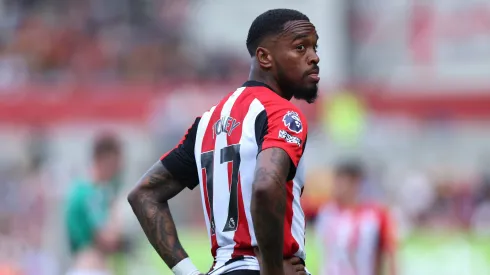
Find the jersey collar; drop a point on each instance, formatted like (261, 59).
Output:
(253, 83)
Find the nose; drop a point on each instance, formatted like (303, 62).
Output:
(314, 59)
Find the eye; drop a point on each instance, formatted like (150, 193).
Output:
(316, 48)
(300, 48)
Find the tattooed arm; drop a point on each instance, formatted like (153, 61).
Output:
(149, 203)
(268, 207)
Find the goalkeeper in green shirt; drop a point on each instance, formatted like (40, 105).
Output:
(92, 226)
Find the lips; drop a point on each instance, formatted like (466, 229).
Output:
(313, 74)
(314, 77)
(314, 71)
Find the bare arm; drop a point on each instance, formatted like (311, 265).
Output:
(388, 244)
(108, 239)
(390, 260)
(106, 225)
(268, 207)
(149, 203)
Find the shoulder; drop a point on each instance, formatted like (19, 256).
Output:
(76, 194)
(280, 110)
(325, 216)
(78, 185)
(380, 210)
(327, 209)
(81, 188)
(375, 206)
(273, 102)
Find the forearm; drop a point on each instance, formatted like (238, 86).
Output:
(268, 208)
(149, 203)
(108, 240)
(157, 223)
(391, 262)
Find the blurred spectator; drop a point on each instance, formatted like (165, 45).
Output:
(414, 182)
(480, 220)
(357, 237)
(101, 41)
(94, 229)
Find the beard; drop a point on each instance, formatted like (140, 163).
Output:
(308, 94)
(300, 91)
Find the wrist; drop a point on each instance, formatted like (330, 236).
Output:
(273, 270)
(185, 267)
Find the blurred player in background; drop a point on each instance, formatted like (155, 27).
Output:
(91, 222)
(245, 153)
(357, 237)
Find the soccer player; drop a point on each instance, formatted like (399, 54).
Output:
(357, 237)
(92, 228)
(246, 155)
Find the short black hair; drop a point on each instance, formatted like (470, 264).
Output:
(351, 168)
(268, 23)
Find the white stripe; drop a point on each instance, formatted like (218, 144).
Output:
(369, 234)
(201, 130)
(248, 154)
(221, 192)
(298, 224)
(249, 263)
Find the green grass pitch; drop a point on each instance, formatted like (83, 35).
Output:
(419, 254)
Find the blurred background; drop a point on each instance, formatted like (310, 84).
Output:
(405, 87)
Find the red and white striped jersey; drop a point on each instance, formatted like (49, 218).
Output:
(354, 239)
(219, 152)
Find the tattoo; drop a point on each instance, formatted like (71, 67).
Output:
(278, 157)
(149, 203)
(269, 206)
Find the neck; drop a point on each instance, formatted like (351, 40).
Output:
(98, 175)
(265, 77)
(347, 203)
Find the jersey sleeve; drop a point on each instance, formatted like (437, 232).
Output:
(285, 128)
(180, 161)
(388, 239)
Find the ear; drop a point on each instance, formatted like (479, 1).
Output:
(264, 57)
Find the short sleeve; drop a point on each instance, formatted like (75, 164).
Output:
(283, 128)
(180, 161)
(388, 239)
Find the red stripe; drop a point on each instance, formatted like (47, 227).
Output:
(275, 108)
(230, 172)
(291, 246)
(166, 154)
(354, 238)
(208, 144)
(242, 238)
